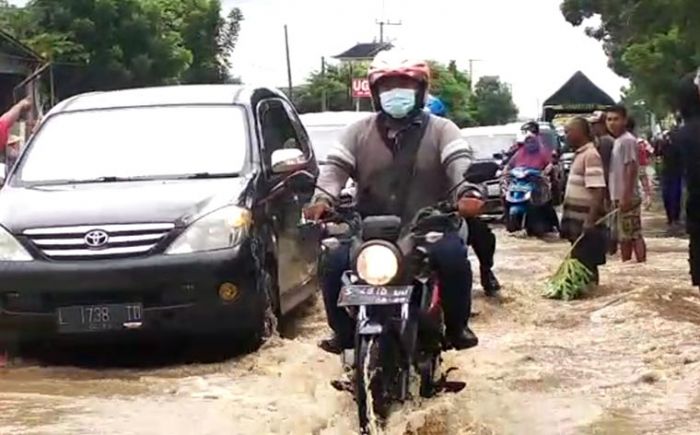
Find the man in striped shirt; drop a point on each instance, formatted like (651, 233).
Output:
(583, 203)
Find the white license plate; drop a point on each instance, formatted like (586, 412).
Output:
(494, 190)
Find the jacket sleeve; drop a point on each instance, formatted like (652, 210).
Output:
(456, 155)
(340, 164)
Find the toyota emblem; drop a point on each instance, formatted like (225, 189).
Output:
(96, 239)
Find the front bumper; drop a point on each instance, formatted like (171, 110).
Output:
(494, 203)
(178, 293)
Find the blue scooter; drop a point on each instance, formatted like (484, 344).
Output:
(521, 197)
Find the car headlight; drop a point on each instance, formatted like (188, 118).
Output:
(11, 249)
(377, 264)
(221, 229)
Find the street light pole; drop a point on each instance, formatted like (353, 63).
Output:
(323, 90)
(471, 72)
(383, 23)
(289, 64)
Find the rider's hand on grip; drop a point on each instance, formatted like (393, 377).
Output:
(315, 211)
(470, 207)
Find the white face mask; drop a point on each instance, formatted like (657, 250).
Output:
(398, 102)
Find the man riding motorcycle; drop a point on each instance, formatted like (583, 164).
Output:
(402, 159)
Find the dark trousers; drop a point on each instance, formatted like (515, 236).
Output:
(591, 250)
(694, 256)
(672, 191)
(483, 241)
(448, 256)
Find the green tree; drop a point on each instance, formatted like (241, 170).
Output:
(651, 42)
(448, 84)
(208, 36)
(453, 88)
(493, 102)
(336, 84)
(113, 44)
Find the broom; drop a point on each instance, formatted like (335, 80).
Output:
(572, 276)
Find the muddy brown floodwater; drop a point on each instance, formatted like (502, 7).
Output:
(624, 360)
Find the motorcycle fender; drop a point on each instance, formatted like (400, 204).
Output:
(516, 209)
(370, 328)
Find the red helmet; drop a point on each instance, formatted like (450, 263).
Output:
(394, 64)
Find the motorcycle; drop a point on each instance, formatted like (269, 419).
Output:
(525, 198)
(395, 298)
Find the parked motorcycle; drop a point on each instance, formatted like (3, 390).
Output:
(394, 296)
(526, 196)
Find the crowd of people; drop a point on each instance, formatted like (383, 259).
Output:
(608, 186)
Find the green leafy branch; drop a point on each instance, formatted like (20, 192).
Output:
(572, 276)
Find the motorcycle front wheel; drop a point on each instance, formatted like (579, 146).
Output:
(514, 222)
(370, 392)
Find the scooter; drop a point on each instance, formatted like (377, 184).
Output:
(523, 201)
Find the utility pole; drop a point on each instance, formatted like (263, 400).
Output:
(471, 71)
(289, 64)
(324, 103)
(383, 23)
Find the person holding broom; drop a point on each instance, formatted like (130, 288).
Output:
(584, 199)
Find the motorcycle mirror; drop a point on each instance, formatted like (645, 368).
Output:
(299, 182)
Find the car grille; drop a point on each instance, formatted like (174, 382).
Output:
(71, 243)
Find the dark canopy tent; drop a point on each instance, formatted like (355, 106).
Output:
(578, 95)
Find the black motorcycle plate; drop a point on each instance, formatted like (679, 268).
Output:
(356, 295)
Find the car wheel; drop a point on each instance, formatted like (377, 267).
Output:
(265, 323)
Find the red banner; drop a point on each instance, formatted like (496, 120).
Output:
(360, 88)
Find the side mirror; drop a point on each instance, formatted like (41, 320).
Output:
(498, 156)
(287, 160)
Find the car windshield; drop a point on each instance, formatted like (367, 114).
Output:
(550, 138)
(322, 138)
(485, 146)
(137, 143)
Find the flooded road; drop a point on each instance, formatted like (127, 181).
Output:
(624, 360)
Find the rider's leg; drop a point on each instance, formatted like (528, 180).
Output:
(483, 241)
(449, 255)
(333, 263)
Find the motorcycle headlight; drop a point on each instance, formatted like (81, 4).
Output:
(11, 249)
(377, 264)
(221, 229)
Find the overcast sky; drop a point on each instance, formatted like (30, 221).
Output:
(527, 43)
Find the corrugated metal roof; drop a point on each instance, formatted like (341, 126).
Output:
(365, 50)
(13, 47)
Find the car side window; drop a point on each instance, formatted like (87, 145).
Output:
(278, 130)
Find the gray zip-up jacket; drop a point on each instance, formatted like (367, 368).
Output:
(442, 158)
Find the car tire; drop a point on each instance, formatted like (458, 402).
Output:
(264, 323)
(268, 310)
